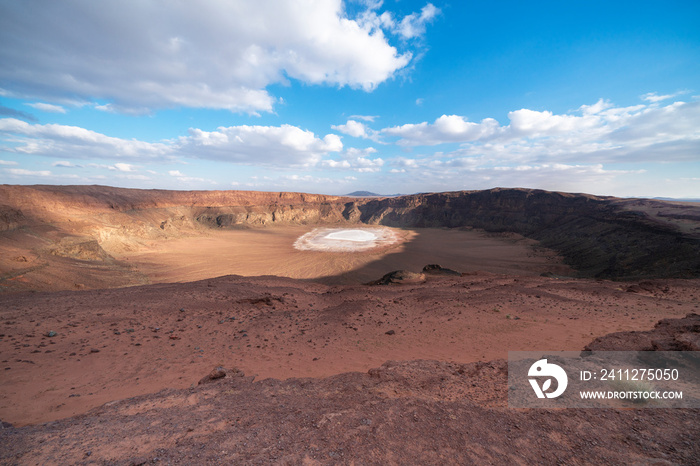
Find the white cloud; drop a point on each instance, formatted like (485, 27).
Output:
(23, 172)
(369, 165)
(335, 163)
(357, 129)
(369, 118)
(356, 159)
(653, 97)
(409, 27)
(601, 133)
(597, 107)
(207, 54)
(447, 128)
(73, 142)
(284, 145)
(532, 124)
(50, 108)
(187, 179)
(353, 152)
(122, 167)
(8, 162)
(413, 25)
(352, 128)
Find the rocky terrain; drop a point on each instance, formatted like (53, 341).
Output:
(413, 412)
(49, 233)
(105, 361)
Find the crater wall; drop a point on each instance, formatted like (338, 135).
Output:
(602, 237)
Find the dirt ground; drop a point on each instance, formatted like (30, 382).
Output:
(270, 251)
(117, 343)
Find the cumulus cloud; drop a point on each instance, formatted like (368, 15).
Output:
(414, 24)
(357, 129)
(284, 145)
(336, 163)
(8, 162)
(600, 132)
(359, 160)
(352, 128)
(409, 27)
(73, 142)
(122, 167)
(206, 54)
(24, 172)
(447, 128)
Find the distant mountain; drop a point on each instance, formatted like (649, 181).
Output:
(362, 194)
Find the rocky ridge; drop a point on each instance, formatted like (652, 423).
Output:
(599, 237)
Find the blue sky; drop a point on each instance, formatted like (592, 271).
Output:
(331, 97)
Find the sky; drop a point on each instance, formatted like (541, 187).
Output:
(331, 96)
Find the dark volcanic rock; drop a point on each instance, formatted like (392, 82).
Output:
(435, 269)
(399, 277)
(667, 335)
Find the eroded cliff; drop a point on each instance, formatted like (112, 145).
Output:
(601, 237)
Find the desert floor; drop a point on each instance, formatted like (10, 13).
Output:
(270, 251)
(118, 343)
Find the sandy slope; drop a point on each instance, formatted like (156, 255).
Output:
(113, 344)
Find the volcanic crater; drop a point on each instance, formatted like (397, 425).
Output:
(115, 303)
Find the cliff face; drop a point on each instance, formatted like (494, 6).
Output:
(599, 236)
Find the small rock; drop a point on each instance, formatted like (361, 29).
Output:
(390, 332)
(218, 373)
(435, 269)
(400, 277)
(51, 334)
(94, 350)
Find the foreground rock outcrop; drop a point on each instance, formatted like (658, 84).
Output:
(412, 412)
(667, 335)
